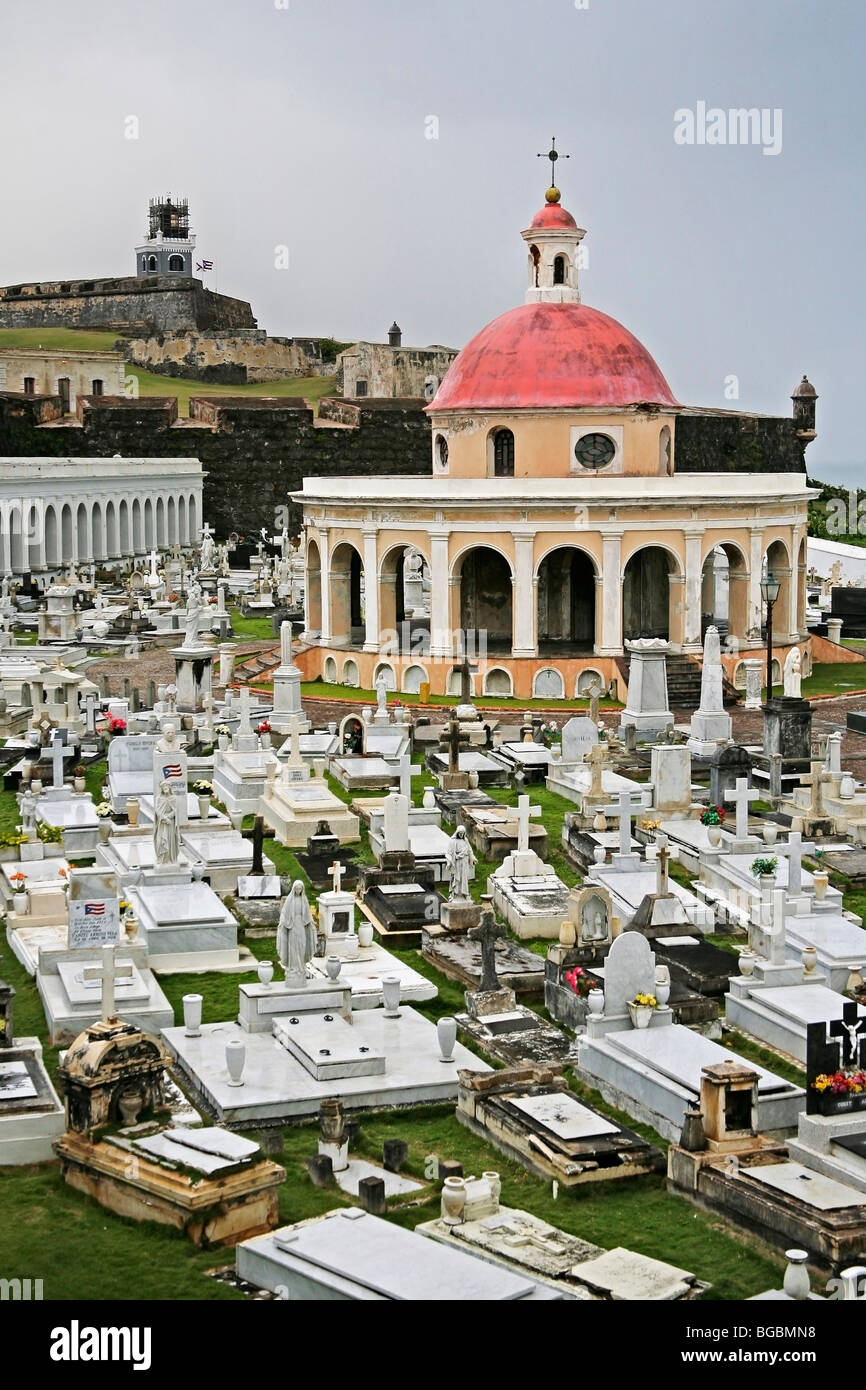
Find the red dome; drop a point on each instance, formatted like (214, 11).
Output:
(564, 355)
(554, 215)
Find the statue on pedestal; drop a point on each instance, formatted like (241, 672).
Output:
(461, 861)
(296, 934)
(166, 837)
(195, 615)
(793, 674)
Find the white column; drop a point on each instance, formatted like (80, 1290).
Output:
(692, 603)
(523, 603)
(440, 591)
(756, 560)
(794, 585)
(6, 538)
(611, 595)
(371, 590)
(325, 560)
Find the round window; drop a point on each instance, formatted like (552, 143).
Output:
(594, 450)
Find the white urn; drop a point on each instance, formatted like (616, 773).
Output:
(446, 1032)
(236, 1056)
(265, 972)
(192, 1014)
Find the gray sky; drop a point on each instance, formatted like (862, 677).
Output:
(305, 127)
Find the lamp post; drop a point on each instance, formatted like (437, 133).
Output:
(769, 593)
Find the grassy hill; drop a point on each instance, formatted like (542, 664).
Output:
(313, 388)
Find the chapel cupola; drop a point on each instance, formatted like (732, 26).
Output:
(168, 243)
(553, 242)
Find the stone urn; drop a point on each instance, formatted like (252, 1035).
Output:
(129, 1106)
(847, 787)
(428, 800)
(567, 933)
(192, 1014)
(333, 966)
(223, 743)
(640, 1014)
(350, 946)
(809, 957)
(365, 935)
(79, 784)
(796, 1283)
(391, 995)
(453, 1200)
(747, 962)
(236, 1056)
(204, 806)
(662, 989)
(473, 781)
(265, 740)
(332, 1121)
(595, 1002)
(22, 902)
(265, 971)
(770, 832)
(820, 882)
(36, 786)
(599, 854)
(104, 830)
(714, 835)
(446, 1032)
(132, 809)
(130, 924)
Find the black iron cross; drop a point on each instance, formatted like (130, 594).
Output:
(553, 155)
(488, 932)
(258, 866)
(838, 1046)
(455, 741)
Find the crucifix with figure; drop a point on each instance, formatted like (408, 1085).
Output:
(109, 972)
(663, 857)
(488, 932)
(850, 1029)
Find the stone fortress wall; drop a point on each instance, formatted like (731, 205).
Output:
(144, 304)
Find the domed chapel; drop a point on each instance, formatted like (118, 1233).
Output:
(573, 504)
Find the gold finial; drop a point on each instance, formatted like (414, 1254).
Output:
(553, 194)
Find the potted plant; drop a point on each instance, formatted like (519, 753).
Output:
(116, 726)
(649, 825)
(840, 1091)
(19, 887)
(641, 1009)
(50, 835)
(263, 730)
(764, 868)
(713, 817)
(78, 773)
(204, 792)
(9, 844)
(104, 813)
(820, 878)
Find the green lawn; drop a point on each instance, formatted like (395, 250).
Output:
(256, 629)
(312, 388)
(59, 339)
(322, 691)
(840, 677)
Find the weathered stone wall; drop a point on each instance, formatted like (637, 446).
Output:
(391, 371)
(215, 356)
(726, 442)
(144, 305)
(254, 452)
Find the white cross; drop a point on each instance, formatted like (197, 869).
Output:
(57, 759)
(295, 740)
(245, 727)
(337, 871)
(770, 918)
(108, 972)
(794, 849)
(742, 795)
(816, 779)
(407, 770)
(524, 811)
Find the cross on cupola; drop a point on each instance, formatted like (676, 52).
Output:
(553, 239)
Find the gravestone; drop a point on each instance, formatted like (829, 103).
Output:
(671, 776)
(728, 764)
(629, 970)
(710, 723)
(579, 735)
(647, 707)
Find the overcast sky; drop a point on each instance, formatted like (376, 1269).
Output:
(306, 127)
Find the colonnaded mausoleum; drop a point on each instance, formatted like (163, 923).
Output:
(573, 505)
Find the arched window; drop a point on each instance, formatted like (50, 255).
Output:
(151, 264)
(559, 270)
(503, 454)
(175, 263)
(97, 386)
(535, 259)
(442, 451)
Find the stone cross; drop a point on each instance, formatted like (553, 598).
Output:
(524, 811)
(467, 670)
(337, 870)
(816, 780)
(455, 742)
(776, 927)
(258, 864)
(108, 972)
(408, 770)
(57, 760)
(245, 727)
(597, 759)
(595, 692)
(488, 932)
(794, 849)
(294, 728)
(90, 703)
(741, 795)
(662, 858)
(625, 822)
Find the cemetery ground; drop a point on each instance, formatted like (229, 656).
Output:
(100, 1256)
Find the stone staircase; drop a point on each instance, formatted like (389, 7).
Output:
(684, 682)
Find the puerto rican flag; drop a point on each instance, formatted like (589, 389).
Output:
(94, 909)
(170, 770)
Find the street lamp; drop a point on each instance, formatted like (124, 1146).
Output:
(769, 593)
